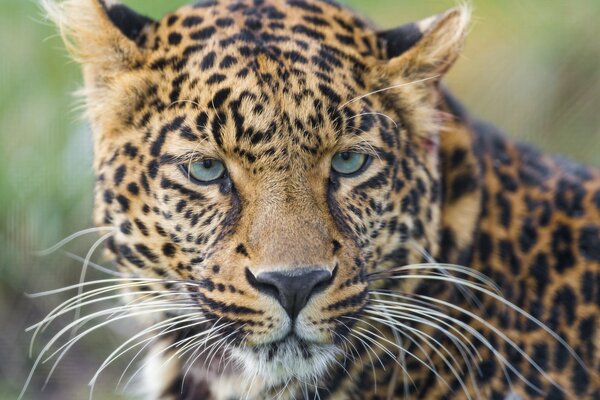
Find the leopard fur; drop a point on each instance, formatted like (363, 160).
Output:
(275, 88)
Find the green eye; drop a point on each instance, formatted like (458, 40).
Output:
(348, 163)
(205, 171)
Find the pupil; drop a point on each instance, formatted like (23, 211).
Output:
(345, 156)
(207, 164)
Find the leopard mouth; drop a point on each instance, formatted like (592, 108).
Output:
(287, 359)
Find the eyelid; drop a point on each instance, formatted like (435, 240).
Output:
(190, 157)
(362, 148)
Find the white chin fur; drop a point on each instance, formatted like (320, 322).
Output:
(286, 363)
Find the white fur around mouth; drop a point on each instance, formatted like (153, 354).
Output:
(285, 361)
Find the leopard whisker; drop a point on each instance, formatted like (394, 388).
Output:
(427, 339)
(482, 278)
(369, 348)
(84, 268)
(397, 86)
(162, 351)
(70, 238)
(146, 345)
(414, 311)
(96, 266)
(487, 344)
(503, 301)
(165, 325)
(468, 295)
(402, 349)
(197, 346)
(440, 318)
(67, 346)
(215, 351)
(57, 336)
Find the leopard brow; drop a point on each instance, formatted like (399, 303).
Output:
(192, 156)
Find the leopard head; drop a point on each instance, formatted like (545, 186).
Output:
(262, 159)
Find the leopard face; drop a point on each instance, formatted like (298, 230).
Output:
(243, 159)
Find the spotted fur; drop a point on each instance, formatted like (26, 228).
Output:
(275, 88)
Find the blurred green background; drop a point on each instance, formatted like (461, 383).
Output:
(531, 67)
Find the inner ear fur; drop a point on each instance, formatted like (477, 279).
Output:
(99, 34)
(425, 49)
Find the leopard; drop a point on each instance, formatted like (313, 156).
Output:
(300, 208)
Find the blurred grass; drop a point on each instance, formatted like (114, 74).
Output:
(532, 68)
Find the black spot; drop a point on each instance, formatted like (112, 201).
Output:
(308, 32)
(508, 255)
(175, 38)
(191, 21)
(528, 235)
(124, 202)
(227, 61)
(215, 78)
(562, 247)
(486, 247)
(462, 185)
(589, 242)
(345, 39)
(241, 249)
(168, 249)
(315, 20)
(171, 20)
(561, 356)
(126, 252)
(487, 370)
(580, 380)
(253, 24)
(216, 269)
(566, 299)
(305, 6)
(160, 140)
(130, 150)
(126, 227)
(119, 175)
(146, 252)
(224, 22)
(220, 97)
(204, 34)
(133, 188)
(208, 61)
(186, 133)
(587, 286)
(587, 329)
(540, 355)
(569, 198)
(330, 94)
(541, 272)
(505, 209)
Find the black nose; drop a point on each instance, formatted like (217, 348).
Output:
(292, 288)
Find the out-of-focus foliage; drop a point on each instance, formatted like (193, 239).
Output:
(531, 67)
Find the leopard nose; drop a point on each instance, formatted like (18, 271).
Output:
(292, 288)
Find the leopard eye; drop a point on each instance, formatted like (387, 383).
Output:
(349, 163)
(204, 171)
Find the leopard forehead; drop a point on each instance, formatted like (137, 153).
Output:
(255, 82)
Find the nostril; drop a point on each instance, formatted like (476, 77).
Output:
(261, 286)
(292, 288)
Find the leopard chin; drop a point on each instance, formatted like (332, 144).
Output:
(287, 361)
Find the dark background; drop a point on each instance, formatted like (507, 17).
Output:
(531, 67)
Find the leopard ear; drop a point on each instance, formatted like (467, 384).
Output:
(105, 36)
(425, 49)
